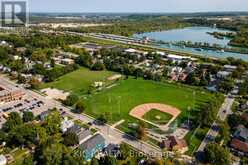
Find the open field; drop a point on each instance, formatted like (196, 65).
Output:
(79, 81)
(157, 117)
(119, 100)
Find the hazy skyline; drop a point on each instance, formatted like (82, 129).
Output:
(166, 6)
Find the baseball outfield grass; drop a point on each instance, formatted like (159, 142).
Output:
(118, 101)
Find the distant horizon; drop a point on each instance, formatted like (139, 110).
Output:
(137, 6)
(146, 12)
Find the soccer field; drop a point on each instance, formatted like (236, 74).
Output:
(79, 81)
(119, 100)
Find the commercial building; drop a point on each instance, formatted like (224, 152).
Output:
(9, 93)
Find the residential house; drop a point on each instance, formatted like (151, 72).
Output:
(92, 145)
(17, 57)
(43, 115)
(112, 150)
(230, 68)
(223, 74)
(21, 50)
(67, 55)
(66, 124)
(82, 134)
(67, 61)
(4, 43)
(172, 143)
(239, 143)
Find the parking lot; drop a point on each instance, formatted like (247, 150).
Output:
(31, 101)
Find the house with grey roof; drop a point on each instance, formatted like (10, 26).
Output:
(82, 134)
(242, 134)
(92, 145)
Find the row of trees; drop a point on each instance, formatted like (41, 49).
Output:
(132, 26)
(51, 147)
(209, 110)
(40, 40)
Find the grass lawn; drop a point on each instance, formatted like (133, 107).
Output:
(127, 94)
(194, 139)
(78, 81)
(157, 117)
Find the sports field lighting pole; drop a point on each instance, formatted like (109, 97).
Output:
(189, 108)
(109, 99)
(119, 104)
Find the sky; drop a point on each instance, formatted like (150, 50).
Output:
(166, 6)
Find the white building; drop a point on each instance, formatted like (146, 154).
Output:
(177, 58)
(66, 124)
(3, 160)
(230, 68)
(130, 50)
(67, 61)
(162, 54)
(223, 74)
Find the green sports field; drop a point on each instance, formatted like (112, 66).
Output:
(118, 101)
(157, 117)
(79, 81)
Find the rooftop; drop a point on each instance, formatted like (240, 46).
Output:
(92, 143)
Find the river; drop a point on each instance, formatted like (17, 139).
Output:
(193, 34)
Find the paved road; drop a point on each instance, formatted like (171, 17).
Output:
(111, 134)
(225, 110)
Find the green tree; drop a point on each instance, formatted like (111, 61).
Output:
(243, 89)
(226, 85)
(103, 119)
(53, 122)
(108, 160)
(39, 55)
(94, 161)
(68, 159)
(71, 100)
(3, 136)
(70, 139)
(225, 131)
(34, 83)
(27, 117)
(21, 79)
(217, 155)
(125, 151)
(13, 120)
(80, 107)
(52, 154)
(208, 114)
(191, 79)
(84, 59)
(24, 134)
(98, 66)
(28, 161)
